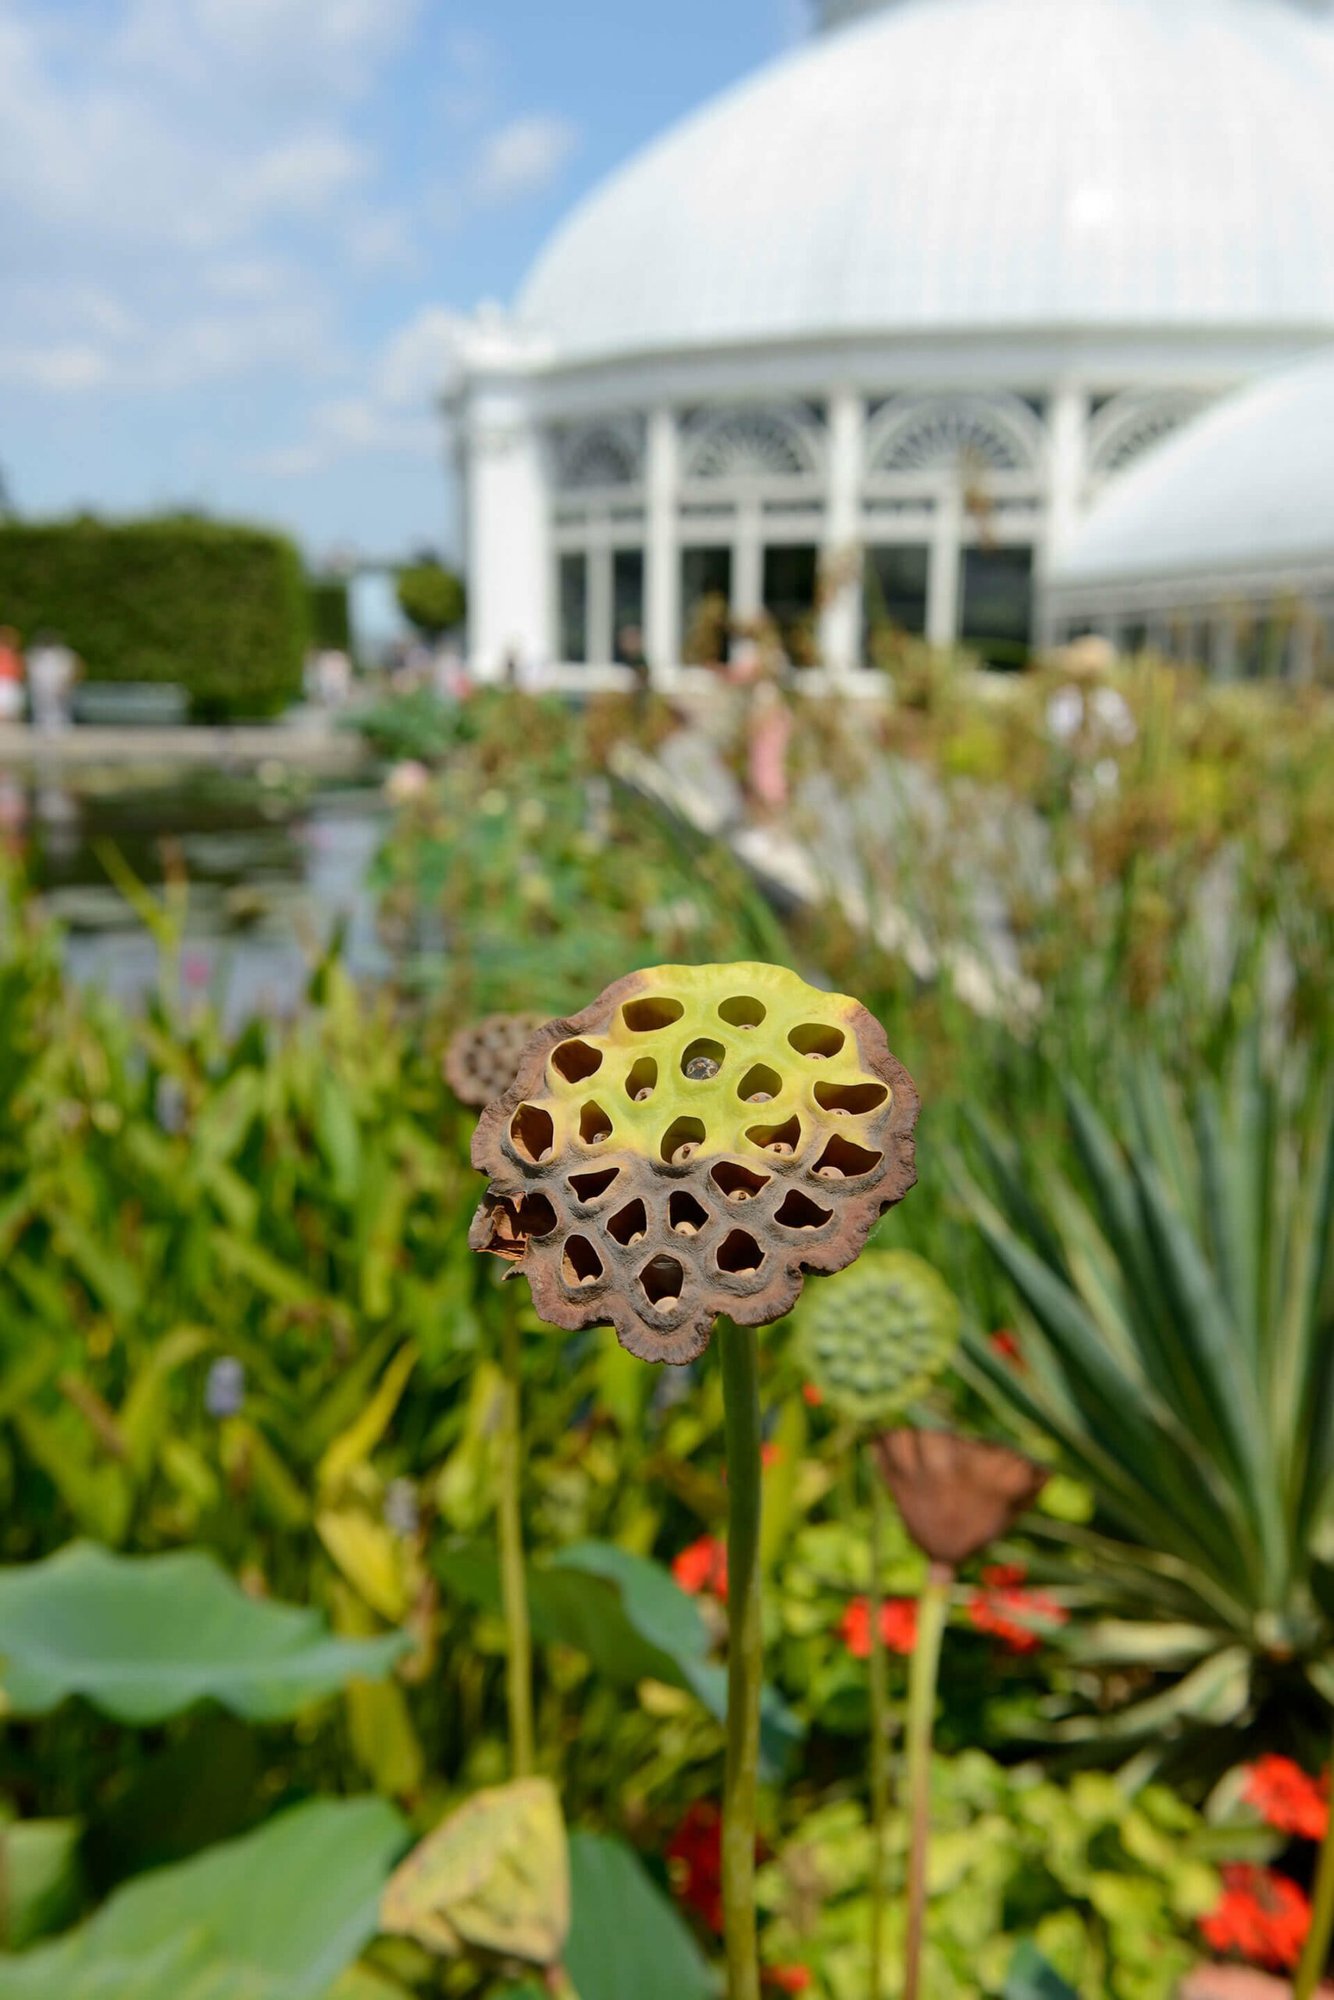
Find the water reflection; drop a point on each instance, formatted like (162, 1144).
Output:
(275, 865)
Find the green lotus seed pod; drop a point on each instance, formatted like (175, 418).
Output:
(874, 1337)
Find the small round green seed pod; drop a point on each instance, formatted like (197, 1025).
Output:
(874, 1337)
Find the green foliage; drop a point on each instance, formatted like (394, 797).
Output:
(431, 598)
(1178, 1314)
(220, 609)
(625, 1937)
(145, 1637)
(330, 619)
(1104, 1886)
(278, 1915)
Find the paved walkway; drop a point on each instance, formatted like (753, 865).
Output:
(312, 742)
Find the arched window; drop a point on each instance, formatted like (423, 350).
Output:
(1129, 424)
(766, 442)
(948, 433)
(599, 455)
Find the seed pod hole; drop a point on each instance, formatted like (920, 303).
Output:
(629, 1224)
(798, 1211)
(780, 1140)
(686, 1215)
(760, 1085)
(663, 1280)
(533, 1133)
(594, 1124)
(739, 1253)
(534, 1216)
(702, 1061)
(580, 1264)
(842, 1161)
(851, 1100)
(738, 1183)
(642, 1080)
(682, 1140)
(817, 1040)
(576, 1061)
(590, 1187)
(645, 1017)
(742, 1011)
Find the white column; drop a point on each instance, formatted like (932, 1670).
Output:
(662, 551)
(944, 573)
(601, 614)
(1067, 482)
(509, 539)
(841, 614)
(748, 561)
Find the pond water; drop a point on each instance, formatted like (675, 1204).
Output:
(275, 865)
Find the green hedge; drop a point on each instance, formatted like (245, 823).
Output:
(222, 610)
(330, 617)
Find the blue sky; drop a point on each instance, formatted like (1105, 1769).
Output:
(234, 233)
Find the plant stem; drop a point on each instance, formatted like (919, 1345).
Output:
(879, 1739)
(1321, 1934)
(932, 1611)
(745, 1663)
(513, 1582)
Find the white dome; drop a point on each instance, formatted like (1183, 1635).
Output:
(970, 165)
(1250, 485)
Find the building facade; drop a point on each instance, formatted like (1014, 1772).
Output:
(862, 342)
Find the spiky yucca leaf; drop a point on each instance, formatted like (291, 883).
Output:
(1177, 1314)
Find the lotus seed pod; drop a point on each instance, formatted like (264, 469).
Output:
(690, 1145)
(874, 1338)
(482, 1058)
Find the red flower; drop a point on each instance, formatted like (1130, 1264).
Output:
(771, 1454)
(1006, 1344)
(695, 1859)
(703, 1567)
(1287, 1798)
(898, 1626)
(811, 1396)
(789, 1978)
(1261, 1916)
(1008, 1612)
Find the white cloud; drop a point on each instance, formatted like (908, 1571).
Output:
(523, 157)
(416, 363)
(397, 415)
(70, 367)
(298, 49)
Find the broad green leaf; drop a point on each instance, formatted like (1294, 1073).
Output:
(632, 1619)
(625, 1937)
(146, 1637)
(493, 1878)
(1031, 1978)
(39, 1867)
(276, 1915)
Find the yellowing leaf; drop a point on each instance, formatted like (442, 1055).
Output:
(360, 1438)
(369, 1558)
(494, 1877)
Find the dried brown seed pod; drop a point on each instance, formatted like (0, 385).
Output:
(690, 1145)
(482, 1058)
(956, 1494)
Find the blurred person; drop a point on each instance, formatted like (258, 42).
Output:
(11, 675)
(53, 668)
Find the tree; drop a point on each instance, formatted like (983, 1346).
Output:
(430, 597)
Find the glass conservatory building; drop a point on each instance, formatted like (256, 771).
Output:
(865, 338)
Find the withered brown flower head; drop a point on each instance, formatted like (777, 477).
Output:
(956, 1494)
(690, 1145)
(482, 1057)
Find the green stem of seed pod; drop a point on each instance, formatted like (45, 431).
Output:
(879, 1738)
(1321, 1934)
(745, 1654)
(513, 1581)
(932, 1611)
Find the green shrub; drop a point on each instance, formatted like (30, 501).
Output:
(330, 619)
(431, 598)
(219, 609)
